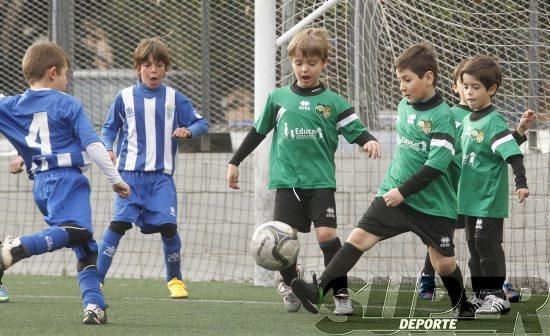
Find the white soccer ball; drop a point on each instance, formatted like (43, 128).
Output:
(275, 245)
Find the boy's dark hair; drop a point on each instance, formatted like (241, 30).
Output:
(154, 47)
(311, 42)
(458, 68)
(419, 58)
(485, 69)
(40, 57)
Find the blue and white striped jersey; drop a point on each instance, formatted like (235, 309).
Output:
(48, 128)
(144, 120)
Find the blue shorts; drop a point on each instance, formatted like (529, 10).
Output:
(153, 200)
(63, 197)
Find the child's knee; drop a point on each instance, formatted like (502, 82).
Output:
(325, 234)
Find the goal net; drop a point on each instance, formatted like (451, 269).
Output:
(213, 55)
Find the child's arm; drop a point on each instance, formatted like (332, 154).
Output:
(250, 142)
(526, 122)
(16, 165)
(516, 161)
(190, 123)
(97, 153)
(112, 125)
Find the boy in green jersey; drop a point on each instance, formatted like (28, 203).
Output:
(417, 194)
(427, 275)
(306, 118)
(487, 148)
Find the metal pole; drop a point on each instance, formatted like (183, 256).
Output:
(535, 79)
(61, 30)
(265, 52)
(205, 68)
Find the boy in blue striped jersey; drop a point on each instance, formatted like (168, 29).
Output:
(56, 141)
(148, 118)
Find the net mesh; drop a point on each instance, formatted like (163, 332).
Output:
(212, 50)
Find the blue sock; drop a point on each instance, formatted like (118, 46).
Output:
(106, 252)
(47, 240)
(172, 258)
(88, 281)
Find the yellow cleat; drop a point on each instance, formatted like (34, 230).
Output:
(177, 289)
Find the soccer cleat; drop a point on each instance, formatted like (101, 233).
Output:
(11, 251)
(343, 305)
(427, 287)
(94, 315)
(309, 294)
(4, 297)
(493, 305)
(291, 302)
(465, 311)
(511, 293)
(177, 289)
(476, 302)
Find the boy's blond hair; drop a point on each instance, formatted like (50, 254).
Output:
(485, 69)
(154, 47)
(40, 57)
(456, 71)
(311, 42)
(419, 58)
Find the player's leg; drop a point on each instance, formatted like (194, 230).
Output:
(289, 208)
(160, 212)
(379, 222)
(427, 280)
(93, 301)
(108, 246)
(437, 232)
(476, 273)
(488, 242)
(125, 212)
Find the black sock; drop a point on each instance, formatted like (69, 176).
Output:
(330, 248)
(455, 286)
(476, 273)
(289, 274)
(428, 269)
(340, 265)
(493, 264)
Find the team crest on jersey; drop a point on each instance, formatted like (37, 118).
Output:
(129, 112)
(323, 110)
(425, 126)
(477, 135)
(170, 111)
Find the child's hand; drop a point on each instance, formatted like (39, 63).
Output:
(527, 119)
(122, 189)
(522, 193)
(181, 132)
(393, 198)
(373, 149)
(16, 165)
(112, 156)
(233, 176)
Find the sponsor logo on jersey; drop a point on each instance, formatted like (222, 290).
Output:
(129, 112)
(479, 224)
(418, 146)
(411, 119)
(170, 111)
(425, 126)
(305, 105)
(445, 241)
(300, 133)
(468, 158)
(323, 110)
(331, 213)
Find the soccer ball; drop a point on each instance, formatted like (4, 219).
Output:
(275, 245)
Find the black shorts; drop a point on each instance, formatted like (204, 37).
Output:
(460, 222)
(387, 222)
(484, 227)
(299, 207)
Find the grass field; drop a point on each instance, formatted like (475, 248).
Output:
(51, 306)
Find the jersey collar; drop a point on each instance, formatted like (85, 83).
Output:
(307, 91)
(476, 115)
(429, 104)
(465, 107)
